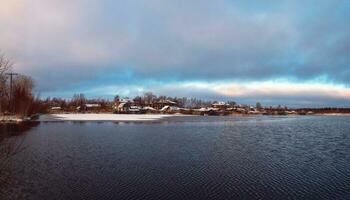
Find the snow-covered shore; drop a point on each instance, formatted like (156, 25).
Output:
(11, 119)
(102, 117)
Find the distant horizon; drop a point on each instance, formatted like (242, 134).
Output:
(292, 52)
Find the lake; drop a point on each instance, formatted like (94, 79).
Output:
(260, 157)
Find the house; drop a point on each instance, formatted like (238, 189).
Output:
(122, 107)
(170, 109)
(160, 104)
(241, 110)
(292, 112)
(149, 109)
(55, 109)
(254, 112)
(206, 111)
(135, 110)
(92, 105)
(220, 105)
(89, 108)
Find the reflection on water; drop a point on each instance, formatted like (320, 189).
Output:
(10, 144)
(185, 158)
(15, 129)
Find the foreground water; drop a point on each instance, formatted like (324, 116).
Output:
(182, 158)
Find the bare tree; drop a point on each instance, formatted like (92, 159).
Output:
(149, 97)
(5, 66)
(258, 106)
(22, 94)
(78, 100)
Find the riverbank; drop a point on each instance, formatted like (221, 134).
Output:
(115, 117)
(334, 114)
(11, 119)
(129, 117)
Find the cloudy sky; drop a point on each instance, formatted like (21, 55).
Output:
(276, 52)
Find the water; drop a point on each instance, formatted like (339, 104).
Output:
(263, 157)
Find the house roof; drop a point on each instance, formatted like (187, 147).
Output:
(165, 108)
(166, 102)
(121, 105)
(92, 105)
(148, 108)
(220, 104)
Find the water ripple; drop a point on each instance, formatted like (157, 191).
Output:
(193, 158)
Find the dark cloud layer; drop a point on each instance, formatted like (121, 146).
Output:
(73, 43)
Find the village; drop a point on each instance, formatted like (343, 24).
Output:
(168, 105)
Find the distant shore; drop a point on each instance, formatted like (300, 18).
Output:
(132, 117)
(97, 117)
(334, 114)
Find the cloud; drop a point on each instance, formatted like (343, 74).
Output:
(66, 45)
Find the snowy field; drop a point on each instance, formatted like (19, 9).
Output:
(102, 117)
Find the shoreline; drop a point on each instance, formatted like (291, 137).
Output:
(103, 117)
(141, 117)
(333, 114)
(12, 119)
(109, 117)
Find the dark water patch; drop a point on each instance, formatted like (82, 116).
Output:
(13, 129)
(186, 158)
(11, 143)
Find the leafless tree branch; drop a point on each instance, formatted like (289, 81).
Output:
(5, 64)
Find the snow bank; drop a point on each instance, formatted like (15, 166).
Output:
(102, 117)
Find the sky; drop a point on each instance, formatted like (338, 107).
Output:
(287, 52)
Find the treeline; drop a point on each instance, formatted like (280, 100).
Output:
(19, 98)
(74, 102)
(149, 98)
(145, 100)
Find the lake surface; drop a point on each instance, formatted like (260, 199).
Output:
(304, 157)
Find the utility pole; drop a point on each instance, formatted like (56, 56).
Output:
(11, 75)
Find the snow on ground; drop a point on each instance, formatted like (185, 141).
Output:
(102, 117)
